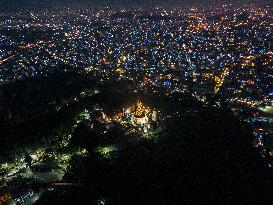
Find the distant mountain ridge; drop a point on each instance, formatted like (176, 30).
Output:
(43, 4)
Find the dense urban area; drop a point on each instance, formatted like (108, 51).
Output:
(108, 105)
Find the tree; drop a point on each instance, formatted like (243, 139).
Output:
(203, 159)
(28, 159)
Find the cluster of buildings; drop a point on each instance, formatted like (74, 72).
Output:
(226, 50)
(136, 118)
(157, 47)
(139, 117)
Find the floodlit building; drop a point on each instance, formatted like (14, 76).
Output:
(154, 116)
(140, 116)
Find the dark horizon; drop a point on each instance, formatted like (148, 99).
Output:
(45, 4)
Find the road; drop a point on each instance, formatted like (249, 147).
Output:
(29, 201)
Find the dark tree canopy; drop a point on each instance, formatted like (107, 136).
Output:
(205, 159)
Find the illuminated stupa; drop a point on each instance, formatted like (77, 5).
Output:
(140, 116)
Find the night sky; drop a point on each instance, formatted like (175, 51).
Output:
(14, 4)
